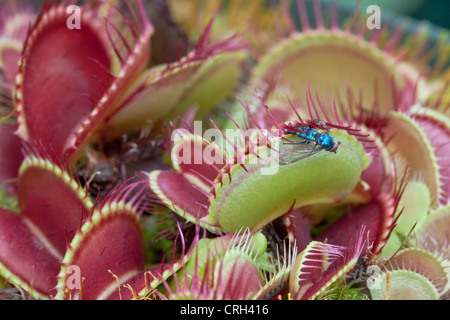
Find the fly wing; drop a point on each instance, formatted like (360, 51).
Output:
(292, 153)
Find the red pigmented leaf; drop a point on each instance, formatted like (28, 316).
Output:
(15, 19)
(63, 74)
(10, 156)
(378, 217)
(9, 56)
(133, 52)
(297, 227)
(143, 285)
(33, 243)
(175, 190)
(437, 129)
(239, 278)
(197, 163)
(199, 157)
(321, 264)
(75, 67)
(110, 248)
(423, 262)
(53, 203)
(26, 260)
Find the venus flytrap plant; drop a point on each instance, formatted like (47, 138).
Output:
(222, 195)
(230, 267)
(320, 265)
(340, 61)
(15, 19)
(111, 88)
(89, 89)
(411, 203)
(403, 285)
(276, 196)
(412, 273)
(103, 70)
(433, 235)
(106, 264)
(42, 228)
(407, 80)
(322, 51)
(377, 197)
(9, 166)
(413, 263)
(360, 102)
(233, 17)
(423, 262)
(58, 228)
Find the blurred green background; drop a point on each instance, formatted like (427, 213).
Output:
(436, 11)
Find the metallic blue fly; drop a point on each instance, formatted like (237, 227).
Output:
(320, 141)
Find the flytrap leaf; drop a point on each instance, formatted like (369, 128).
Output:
(379, 218)
(221, 195)
(152, 100)
(75, 66)
(234, 266)
(215, 268)
(14, 23)
(214, 82)
(106, 253)
(423, 262)
(202, 79)
(403, 285)
(26, 260)
(404, 132)
(52, 208)
(373, 69)
(436, 127)
(434, 232)
(10, 156)
(334, 61)
(320, 264)
(414, 206)
(52, 201)
(60, 61)
(260, 193)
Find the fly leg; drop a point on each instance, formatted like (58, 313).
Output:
(321, 124)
